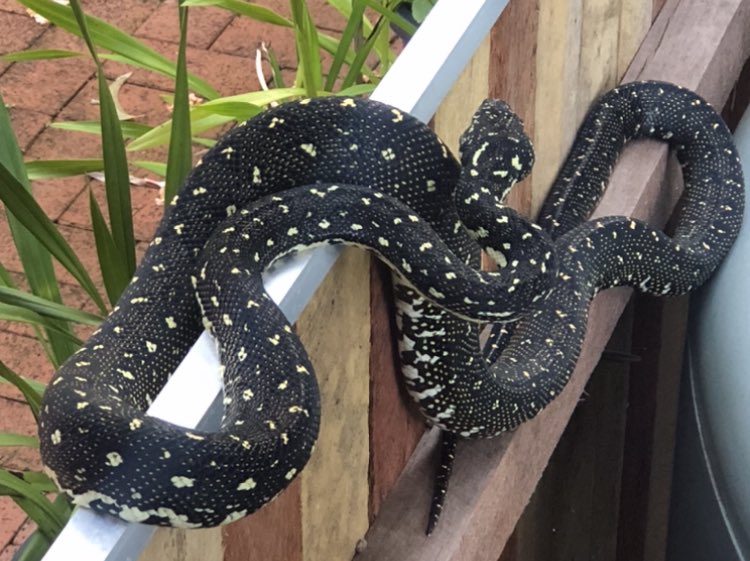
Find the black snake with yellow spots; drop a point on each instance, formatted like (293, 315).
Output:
(359, 172)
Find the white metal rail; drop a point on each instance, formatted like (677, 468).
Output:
(418, 81)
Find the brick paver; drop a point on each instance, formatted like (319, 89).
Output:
(221, 50)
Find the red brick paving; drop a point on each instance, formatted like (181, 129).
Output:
(221, 51)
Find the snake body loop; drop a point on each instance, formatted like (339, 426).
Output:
(358, 172)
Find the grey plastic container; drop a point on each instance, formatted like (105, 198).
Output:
(710, 516)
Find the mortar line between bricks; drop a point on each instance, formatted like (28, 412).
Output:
(223, 29)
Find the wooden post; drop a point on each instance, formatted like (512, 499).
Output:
(703, 47)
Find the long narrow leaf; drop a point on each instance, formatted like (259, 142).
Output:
(7, 282)
(34, 548)
(33, 384)
(179, 158)
(258, 13)
(356, 90)
(5, 278)
(47, 308)
(42, 54)
(306, 39)
(10, 439)
(117, 177)
(114, 272)
(129, 129)
(106, 36)
(36, 260)
(353, 25)
(17, 314)
(28, 212)
(43, 512)
(391, 15)
(278, 77)
(160, 135)
(159, 168)
(39, 481)
(51, 169)
(203, 118)
(355, 68)
(30, 394)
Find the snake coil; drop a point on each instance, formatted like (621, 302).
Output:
(338, 170)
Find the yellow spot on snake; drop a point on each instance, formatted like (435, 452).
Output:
(181, 481)
(127, 374)
(114, 459)
(247, 485)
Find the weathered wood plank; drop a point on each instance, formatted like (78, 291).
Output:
(169, 544)
(635, 21)
(274, 533)
(583, 475)
(703, 47)
(335, 330)
(459, 105)
(558, 56)
(599, 44)
(512, 76)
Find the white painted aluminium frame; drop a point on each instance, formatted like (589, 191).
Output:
(418, 81)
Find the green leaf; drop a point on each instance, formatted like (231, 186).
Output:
(46, 308)
(276, 75)
(10, 439)
(356, 90)
(36, 505)
(34, 548)
(203, 117)
(28, 212)
(17, 314)
(420, 9)
(308, 48)
(34, 384)
(51, 169)
(258, 13)
(114, 273)
(41, 54)
(117, 177)
(129, 128)
(180, 157)
(391, 15)
(235, 110)
(357, 65)
(160, 135)
(36, 260)
(159, 168)
(30, 394)
(105, 36)
(39, 481)
(353, 26)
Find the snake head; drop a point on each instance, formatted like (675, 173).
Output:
(495, 149)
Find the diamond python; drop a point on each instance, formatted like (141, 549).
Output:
(358, 172)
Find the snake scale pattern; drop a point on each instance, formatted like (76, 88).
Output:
(340, 170)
